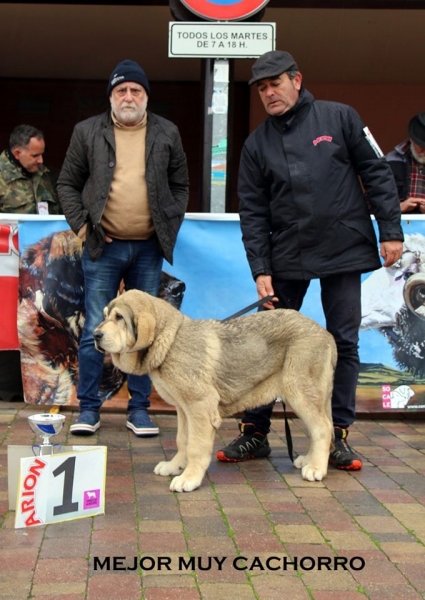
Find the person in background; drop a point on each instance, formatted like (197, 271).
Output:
(303, 216)
(124, 190)
(25, 185)
(25, 188)
(407, 162)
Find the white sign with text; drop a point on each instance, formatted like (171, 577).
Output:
(61, 487)
(220, 40)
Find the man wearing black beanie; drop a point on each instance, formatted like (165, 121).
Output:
(124, 190)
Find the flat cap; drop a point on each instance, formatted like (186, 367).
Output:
(417, 129)
(272, 64)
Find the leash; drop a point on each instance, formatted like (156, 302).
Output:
(288, 434)
(248, 308)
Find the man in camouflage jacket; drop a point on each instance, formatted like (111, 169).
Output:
(25, 186)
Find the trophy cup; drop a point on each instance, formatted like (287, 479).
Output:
(46, 426)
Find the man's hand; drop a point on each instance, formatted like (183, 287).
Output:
(265, 288)
(406, 206)
(82, 232)
(391, 252)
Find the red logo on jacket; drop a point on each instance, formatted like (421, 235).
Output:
(322, 138)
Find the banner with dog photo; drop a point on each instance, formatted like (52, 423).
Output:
(51, 298)
(210, 278)
(392, 335)
(51, 314)
(50, 310)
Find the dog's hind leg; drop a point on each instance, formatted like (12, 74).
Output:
(314, 465)
(179, 461)
(200, 440)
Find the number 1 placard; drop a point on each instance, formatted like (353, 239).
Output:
(61, 487)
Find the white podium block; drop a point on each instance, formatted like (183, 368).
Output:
(56, 487)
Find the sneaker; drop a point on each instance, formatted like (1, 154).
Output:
(343, 456)
(140, 424)
(249, 444)
(87, 423)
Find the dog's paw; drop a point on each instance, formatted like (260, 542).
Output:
(166, 468)
(309, 472)
(184, 484)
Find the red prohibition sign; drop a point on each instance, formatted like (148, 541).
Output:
(224, 10)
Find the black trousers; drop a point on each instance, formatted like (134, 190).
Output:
(341, 302)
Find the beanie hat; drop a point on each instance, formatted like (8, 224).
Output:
(417, 129)
(128, 70)
(272, 64)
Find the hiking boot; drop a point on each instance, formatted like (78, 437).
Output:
(249, 444)
(140, 424)
(87, 423)
(343, 456)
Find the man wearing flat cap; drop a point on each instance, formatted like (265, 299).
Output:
(304, 216)
(407, 162)
(124, 191)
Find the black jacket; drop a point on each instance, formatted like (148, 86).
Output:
(86, 176)
(400, 162)
(302, 209)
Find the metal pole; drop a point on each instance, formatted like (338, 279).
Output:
(208, 82)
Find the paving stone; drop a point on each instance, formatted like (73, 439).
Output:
(380, 572)
(57, 590)
(60, 570)
(404, 551)
(56, 548)
(211, 525)
(299, 534)
(125, 587)
(252, 541)
(383, 592)
(352, 541)
(212, 591)
(15, 584)
(414, 573)
(155, 542)
(276, 587)
(381, 524)
(329, 580)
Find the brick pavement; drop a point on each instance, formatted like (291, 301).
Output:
(240, 535)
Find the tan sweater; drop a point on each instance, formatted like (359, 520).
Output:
(127, 214)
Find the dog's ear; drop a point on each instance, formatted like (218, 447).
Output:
(144, 331)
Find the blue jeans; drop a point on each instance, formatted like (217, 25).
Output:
(139, 264)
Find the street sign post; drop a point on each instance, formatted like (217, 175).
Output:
(217, 38)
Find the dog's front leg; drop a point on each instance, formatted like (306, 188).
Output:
(179, 461)
(200, 443)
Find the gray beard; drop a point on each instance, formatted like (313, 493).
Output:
(420, 158)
